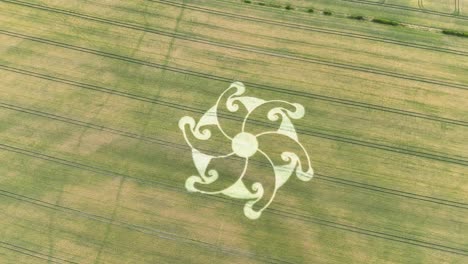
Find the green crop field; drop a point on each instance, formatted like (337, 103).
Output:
(93, 162)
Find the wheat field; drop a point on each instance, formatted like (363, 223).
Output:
(93, 163)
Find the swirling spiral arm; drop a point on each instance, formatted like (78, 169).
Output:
(281, 176)
(189, 122)
(240, 89)
(239, 190)
(201, 129)
(236, 190)
(302, 175)
(204, 134)
(202, 161)
(274, 113)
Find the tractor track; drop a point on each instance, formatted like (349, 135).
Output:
(138, 228)
(167, 235)
(318, 134)
(408, 8)
(174, 145)
(239, 47)
(259, 86)
(314, 29)
(32, 253)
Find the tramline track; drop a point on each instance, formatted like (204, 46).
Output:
(174, 145)
(256, 85)
(297, 216)
(408, 8)
(251, 49)
(311, 28)
(32, 253)
(454, 160)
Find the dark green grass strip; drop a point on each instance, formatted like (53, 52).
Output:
(314, 29)
(357, 17)
(386, 21)
(408, 8)
(455, 33)
(252, 49)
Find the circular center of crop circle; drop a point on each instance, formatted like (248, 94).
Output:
(244, 145)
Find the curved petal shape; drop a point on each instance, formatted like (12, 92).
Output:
(196, 134)
(230, 113)
(209, 123)
(235, 189)
(301, 164)
(205, 175)
(281, 173)
(283, 113)
(249, 211)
